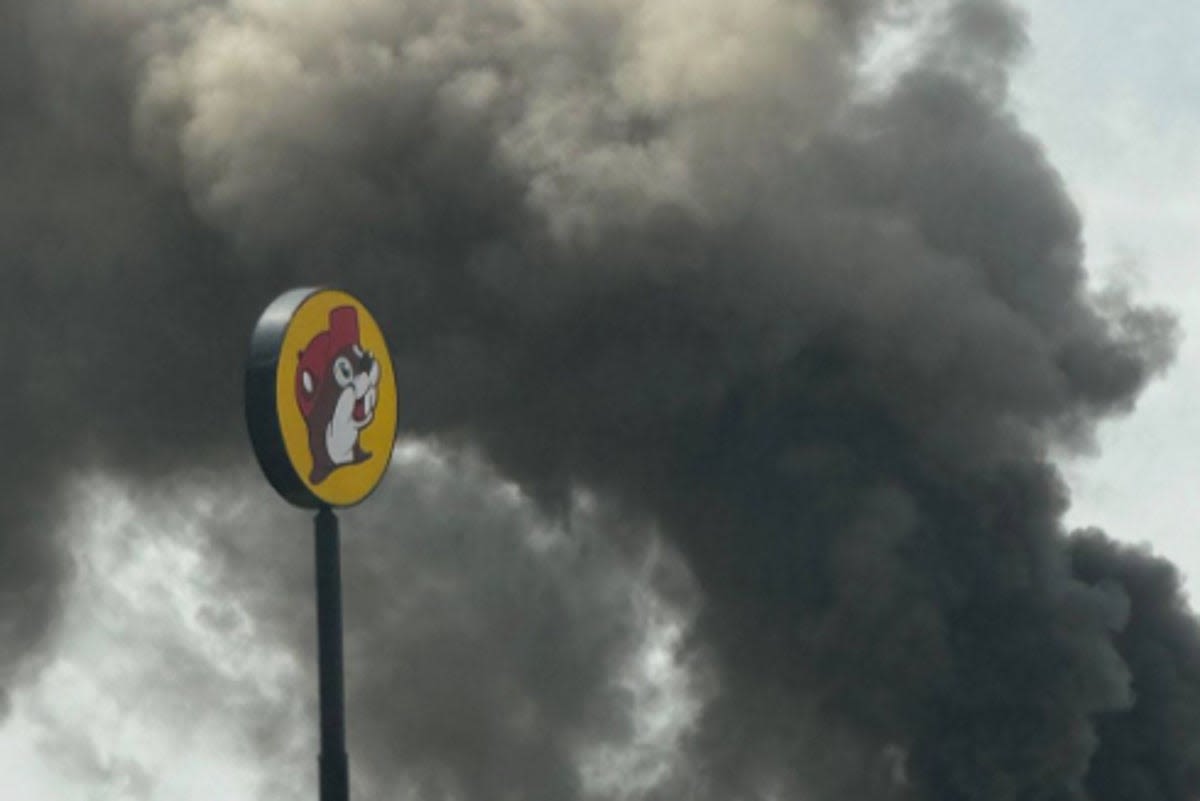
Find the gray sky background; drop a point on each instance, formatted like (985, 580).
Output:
(1110, 88)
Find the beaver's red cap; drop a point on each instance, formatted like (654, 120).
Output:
(316, 357)
(343, 328)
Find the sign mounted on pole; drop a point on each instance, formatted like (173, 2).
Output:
(321, 409)
(320, 398)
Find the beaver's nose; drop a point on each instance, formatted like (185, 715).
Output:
(365, 363)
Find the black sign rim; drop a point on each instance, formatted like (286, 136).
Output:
(262, 421)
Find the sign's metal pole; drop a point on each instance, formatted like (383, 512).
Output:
(334, 768)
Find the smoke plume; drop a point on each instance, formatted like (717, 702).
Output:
(681, 258)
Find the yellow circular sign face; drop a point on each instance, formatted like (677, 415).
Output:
(335, 398)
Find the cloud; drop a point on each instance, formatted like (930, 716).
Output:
(669, 259)
(489, 649)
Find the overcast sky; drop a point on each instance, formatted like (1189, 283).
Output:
(1112, 90)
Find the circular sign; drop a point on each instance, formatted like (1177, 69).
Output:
(320, 398)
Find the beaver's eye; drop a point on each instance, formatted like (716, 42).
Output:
(343, 373)
(306, 379)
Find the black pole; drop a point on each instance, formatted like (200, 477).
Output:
(334, 770)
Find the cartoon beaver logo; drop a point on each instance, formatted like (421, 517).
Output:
(337, 389)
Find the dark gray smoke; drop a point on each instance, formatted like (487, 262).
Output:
(1150, 750)
(673, 254)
